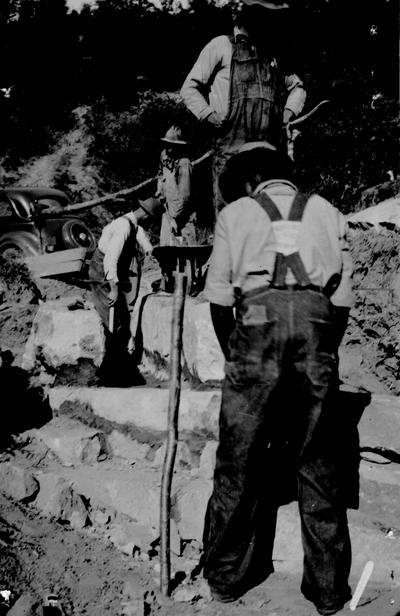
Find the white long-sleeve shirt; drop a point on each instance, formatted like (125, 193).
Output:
(113, 239)
(212, 70)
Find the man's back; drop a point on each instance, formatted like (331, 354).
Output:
(245, 245)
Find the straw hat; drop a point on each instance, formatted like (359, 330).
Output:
(151, 206)
(174, 136)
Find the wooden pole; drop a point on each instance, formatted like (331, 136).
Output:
(125, 192)
(172, 437)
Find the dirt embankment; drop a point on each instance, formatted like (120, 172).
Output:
(373, 334)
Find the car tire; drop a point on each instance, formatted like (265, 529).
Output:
(75, 234)
(13, 253)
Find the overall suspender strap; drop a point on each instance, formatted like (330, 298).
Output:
(292, 261)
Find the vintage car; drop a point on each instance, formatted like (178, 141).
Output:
(35, 227)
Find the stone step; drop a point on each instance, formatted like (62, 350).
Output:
(146, 408)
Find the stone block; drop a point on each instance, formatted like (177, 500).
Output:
(58, 499)
(72, 442)
(145, 407)
(207, 460)
(124, 447)
(379, 426)
(26, 605)
(202, 354)
(183, 457)
(129, 536)
(63, 334)
(18, 482)
(190, 508)
(201, 351)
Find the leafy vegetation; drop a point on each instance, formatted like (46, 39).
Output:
(92, 92)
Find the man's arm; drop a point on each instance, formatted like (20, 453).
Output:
(296, 97)
(219, 289)
(199, 79)
(224, 324)
(343, 297)
(143, 240)
(183, 188)
(115, 245)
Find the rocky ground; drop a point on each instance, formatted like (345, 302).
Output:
(79, 502)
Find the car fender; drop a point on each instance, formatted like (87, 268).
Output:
(25, 241)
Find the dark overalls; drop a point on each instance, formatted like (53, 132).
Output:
(253, 111)
(283, 338)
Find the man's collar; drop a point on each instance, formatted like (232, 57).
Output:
(271, 184)
(131, 217)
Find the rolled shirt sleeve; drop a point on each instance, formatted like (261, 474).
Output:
(219, 287)
(296, 94)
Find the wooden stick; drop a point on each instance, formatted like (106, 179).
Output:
(363, 581)
(125, 192)
(172, 438)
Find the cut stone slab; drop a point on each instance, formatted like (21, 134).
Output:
(128, 536)
(131, 492)
(124, 447)
(367, 544)
(201, 351)
(183, 458)
(207, 460)
(72, 442)
(379, 425)
(190, 508)
(63, 333)
(58, 499)
(144, 407)
(18, 482)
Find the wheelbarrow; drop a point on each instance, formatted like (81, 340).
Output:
(191, 260)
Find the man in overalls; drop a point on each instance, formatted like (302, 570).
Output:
(236, 86)
(282, 259)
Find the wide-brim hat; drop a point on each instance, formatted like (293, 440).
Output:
(267, 4)
(173, 136)
(233, 176)
(151, 206)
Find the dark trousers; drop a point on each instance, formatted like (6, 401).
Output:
(283, 341)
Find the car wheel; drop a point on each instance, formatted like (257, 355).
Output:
(76, 235)
(13, 253)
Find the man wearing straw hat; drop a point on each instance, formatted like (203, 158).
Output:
(174, 190)
(236, 85)
(282, 259)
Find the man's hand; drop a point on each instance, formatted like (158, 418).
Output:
(174, 227)
(215, 119)
(113, 294)
(288, 115)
